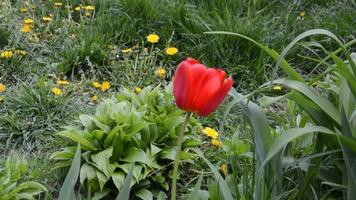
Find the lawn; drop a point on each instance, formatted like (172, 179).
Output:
(117, 99)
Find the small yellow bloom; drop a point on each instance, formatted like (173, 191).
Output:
(88, 14)
(315, 84)
(128, 50)
(78, 8)
(6, 54)
(58, 4)
(210, 132)
(28, 21)
(47, 19)
(277, 88)
(223, 169)
(26, 28)
(24, 10)
(22, 52)
(56, 91)
(161, 72)
(62, 82)
(216, 143)
(94, 98)
(2, 87)
(138, 90)
(89, 8)
(171, 51)
(1, 99)
(105, 86)
(152, 38)
(96, 85)
(302, 14)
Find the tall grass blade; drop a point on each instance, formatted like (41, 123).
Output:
(124, 193)
(195, 193)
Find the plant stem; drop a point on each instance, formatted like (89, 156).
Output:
(176, 160)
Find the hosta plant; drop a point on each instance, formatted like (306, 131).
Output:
(133, 128)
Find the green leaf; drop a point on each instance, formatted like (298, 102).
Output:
(136, 155)
(124, 193)
(195, 192)
(102, 161)
(266, 100)
(144, 194)
(101, 194)
(67, 190)
(87, 172)
(78, 137)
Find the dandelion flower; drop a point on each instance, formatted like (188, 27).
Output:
(6, 54)
(56, 91)
(161, 72)
(223, 169)
(24, 10)
(62, 82)
(277, 88)
(78, 8)
(302, 14)
(216, 143)
(58, 4)
(26, 28)
(94, 98)
(2, 87)
(96, 85)
(171, 51)
(315, 84)
(88, 14)
(210, 132)
(28, 21)
(152, 38)
(21, 52)
(128, 50)
(47, 19)
(138, 90)
(105, 86)
(89, 8)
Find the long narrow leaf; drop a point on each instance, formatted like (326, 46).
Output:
(124, 193)
(195, 192)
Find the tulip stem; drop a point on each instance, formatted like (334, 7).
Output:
(176, 160)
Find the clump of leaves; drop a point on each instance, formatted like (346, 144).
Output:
(12, 181)
(133, 128)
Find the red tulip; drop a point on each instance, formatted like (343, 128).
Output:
(199, 89)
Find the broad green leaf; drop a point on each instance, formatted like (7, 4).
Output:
(87, 172)
(118, 179)
(86, 121)
(78, 137)
(101, 194)
(102, 161)
(136, 155)
(195, 192)
(124, 193)
(102, 178)
(67, 190)
(144, 194)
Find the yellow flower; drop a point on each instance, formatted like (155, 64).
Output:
(210, 132)
(26, 28)
(89, 8)
(216, 143)
(171, 51)
(88, 14)
(138, 90)
(2, 87)
(223, 169)
(94, 98)
(96, 85)
(62, 82)
(6, 54)
(1, 99)
(28, 21)
(22, 52)
(152, 38)
(78, 8)
(56, 91)
(105, 86)
(161, 72)
(58, 4)
(277, 88)
(302, 14)
(24, 10)
(47, 19)
(315, 84)
(129, 50)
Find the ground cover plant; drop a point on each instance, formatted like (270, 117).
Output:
(95, 103)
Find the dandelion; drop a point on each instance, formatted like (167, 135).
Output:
(78, 8)
(302, 14)
(128, 50)
(24, 10)
(58, 4)
(210, 132)
(94, 98)
(315, 84)
(26, 28)
(105, 86)
(28, 21)
(96, 85)
(56, 91)
(152, 38)
(62, 82)
(223, 169)
(6, 54)
(216, 143)
(2, 87)
(171, 51)
(138, 90)
(47, 19)
(161, 72)
(89, 8)
(277, 88)
(88, 14)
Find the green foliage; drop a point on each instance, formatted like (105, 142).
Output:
(140, 129)
(12, 181)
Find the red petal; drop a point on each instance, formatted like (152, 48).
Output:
(217, 98)
(180, 83)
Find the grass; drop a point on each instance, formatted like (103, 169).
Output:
(83, 49)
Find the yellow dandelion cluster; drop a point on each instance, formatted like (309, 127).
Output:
(96, 85)
(223, 169)
(94, 98)
(2, 87)
(171, 51)
(138, 90)
(161, 72)
(56, 91)
(6, 54)
(105, 86)
(62, 82)
(28, 21)
(89, 8)
(26, 28)
(24, 10)
(277, 88)
(47, 19)
(302, 14)
(216, 143)
(210, 132)
(152, 38)
(78, 8)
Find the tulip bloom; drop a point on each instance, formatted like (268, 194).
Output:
(199, 89)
